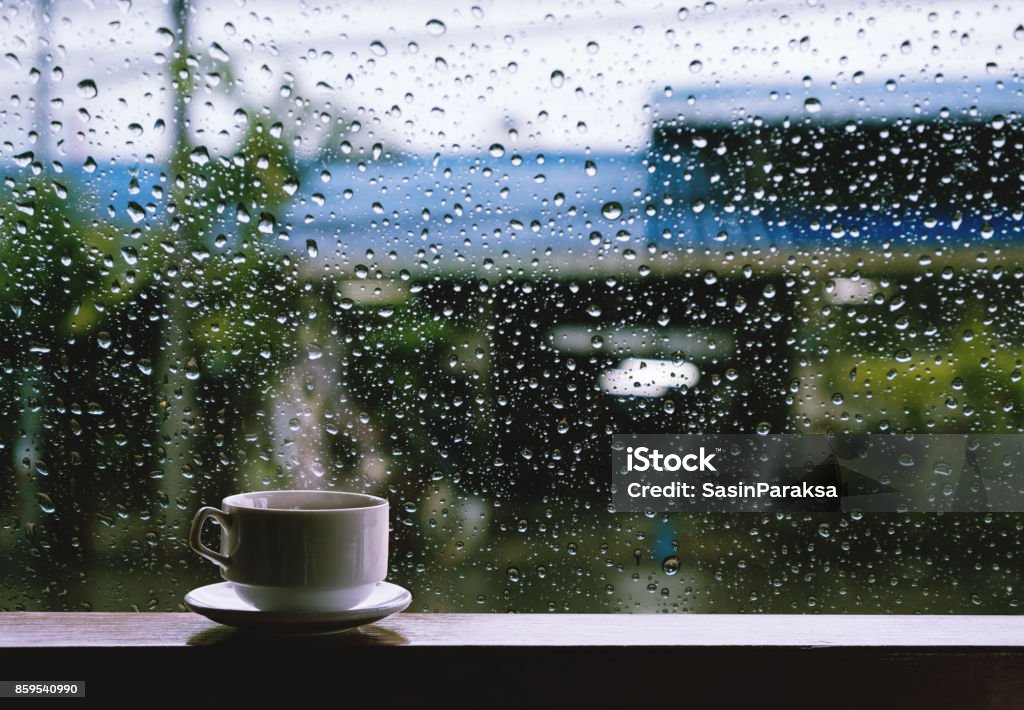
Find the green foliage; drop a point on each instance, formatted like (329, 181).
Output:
(48, 257)
(932, 391)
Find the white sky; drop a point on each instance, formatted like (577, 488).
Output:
(490, 70)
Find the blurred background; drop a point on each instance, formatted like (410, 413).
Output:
(441, 252)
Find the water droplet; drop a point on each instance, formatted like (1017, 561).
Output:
(611, 210)
(217, 52)
(696, 66)
(378, 48)
(311, 248)
(166, 36)
(136, 212)
(87, 89)
(557, 79)
(45, 503)
(590, 168)
(812, 105)
(593, 47)
(200, 155)
(513, 574)
(436, 27)
(670, 565)
(267, 223)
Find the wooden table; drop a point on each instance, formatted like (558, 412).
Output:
(481, 660)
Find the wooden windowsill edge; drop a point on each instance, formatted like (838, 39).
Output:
(170, 630)
(537, 660)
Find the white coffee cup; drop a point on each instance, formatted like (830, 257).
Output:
(299, 550)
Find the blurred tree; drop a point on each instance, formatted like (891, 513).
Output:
(222, 339)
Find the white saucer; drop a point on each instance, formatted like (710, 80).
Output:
(218, 602)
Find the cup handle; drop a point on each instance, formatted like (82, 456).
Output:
(197, 545)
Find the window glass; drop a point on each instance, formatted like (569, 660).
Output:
(422, 250)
